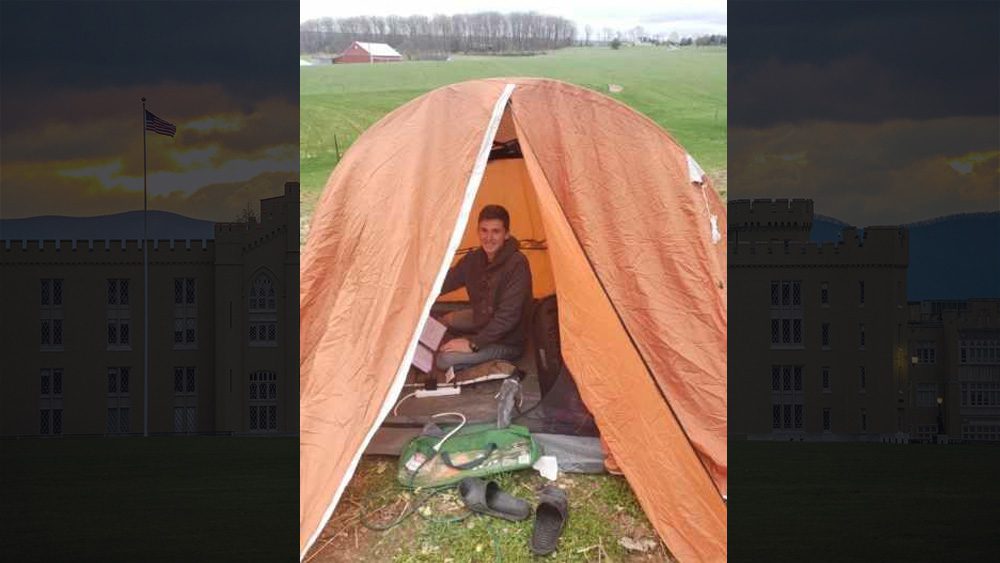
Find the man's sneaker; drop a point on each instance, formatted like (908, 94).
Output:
(610, 464)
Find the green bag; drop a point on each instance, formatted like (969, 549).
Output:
(476, 450)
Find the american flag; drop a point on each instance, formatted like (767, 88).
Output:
(157, 125)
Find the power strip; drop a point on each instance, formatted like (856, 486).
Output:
(439, 392)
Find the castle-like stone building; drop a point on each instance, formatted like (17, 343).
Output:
(823, 343)
(223, 331)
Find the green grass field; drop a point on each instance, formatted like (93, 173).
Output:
(682, 90)
(149, 499)
(793, 501)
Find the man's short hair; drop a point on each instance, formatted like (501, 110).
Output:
(495, 212)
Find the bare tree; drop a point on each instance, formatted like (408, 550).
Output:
(415, 34)
(247, 215)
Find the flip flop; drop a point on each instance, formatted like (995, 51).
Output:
(487, 498)
(550, 519)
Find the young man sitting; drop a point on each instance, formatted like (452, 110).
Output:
(498, 279)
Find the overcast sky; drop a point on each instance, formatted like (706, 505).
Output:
(686, 17)
(74, 73)
(883, 113)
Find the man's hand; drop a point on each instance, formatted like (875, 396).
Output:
(456, 345)
(446, 319)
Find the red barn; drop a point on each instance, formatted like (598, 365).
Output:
(360, 52)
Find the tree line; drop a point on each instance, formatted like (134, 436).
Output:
(484, 32)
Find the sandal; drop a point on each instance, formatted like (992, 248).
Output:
(487, 498)
(550, 519)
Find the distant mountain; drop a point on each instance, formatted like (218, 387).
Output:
(826, 229)
(128, 225)
(952, 257)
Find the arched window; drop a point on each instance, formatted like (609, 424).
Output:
(262, 327)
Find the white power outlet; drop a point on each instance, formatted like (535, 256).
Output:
(439, 392)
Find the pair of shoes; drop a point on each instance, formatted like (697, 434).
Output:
(550, 515)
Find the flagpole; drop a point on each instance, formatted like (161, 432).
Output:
(145, 283)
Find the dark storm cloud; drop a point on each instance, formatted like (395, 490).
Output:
(103, 44)
(73, 74)
(862, 62)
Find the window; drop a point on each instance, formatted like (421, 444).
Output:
(117, 292)
(989, 432)
(826, 419)
(864, 420)
(927, 394)
(118, 400)
(263, 333)
(826, 379)
(979, 350)
(185, 400)
(786, 397)
(861, 293)
(262, 295)
(925, 352)
(825, 335)
(824, 293)
(52, 292)
(52, 334)
(184, 381)
(263, 401)
(119, 333)
(50, 402)
(185, 332)
(862, 379)
(262, 329)
(786, 314)
(51, 325)
(184, 291)
(861, 335)
(985, 394)
(185, 314)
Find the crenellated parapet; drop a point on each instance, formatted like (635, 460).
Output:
(875, 246)
(105, 250)
(765, 219)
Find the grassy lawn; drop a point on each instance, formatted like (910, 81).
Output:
(682, 90)
(152, 499)
(863, 502)
(602, 510)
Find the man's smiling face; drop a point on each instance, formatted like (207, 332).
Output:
(492, 235)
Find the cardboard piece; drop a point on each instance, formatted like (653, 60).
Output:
(430, 339)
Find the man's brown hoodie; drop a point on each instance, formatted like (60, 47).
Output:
(499, 292)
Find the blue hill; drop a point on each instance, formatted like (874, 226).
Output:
(128, 225)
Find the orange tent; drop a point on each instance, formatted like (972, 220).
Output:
(635, 250)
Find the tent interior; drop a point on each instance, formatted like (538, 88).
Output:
(553, 409)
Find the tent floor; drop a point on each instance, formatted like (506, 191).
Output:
(477, 402)
(576, 454)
